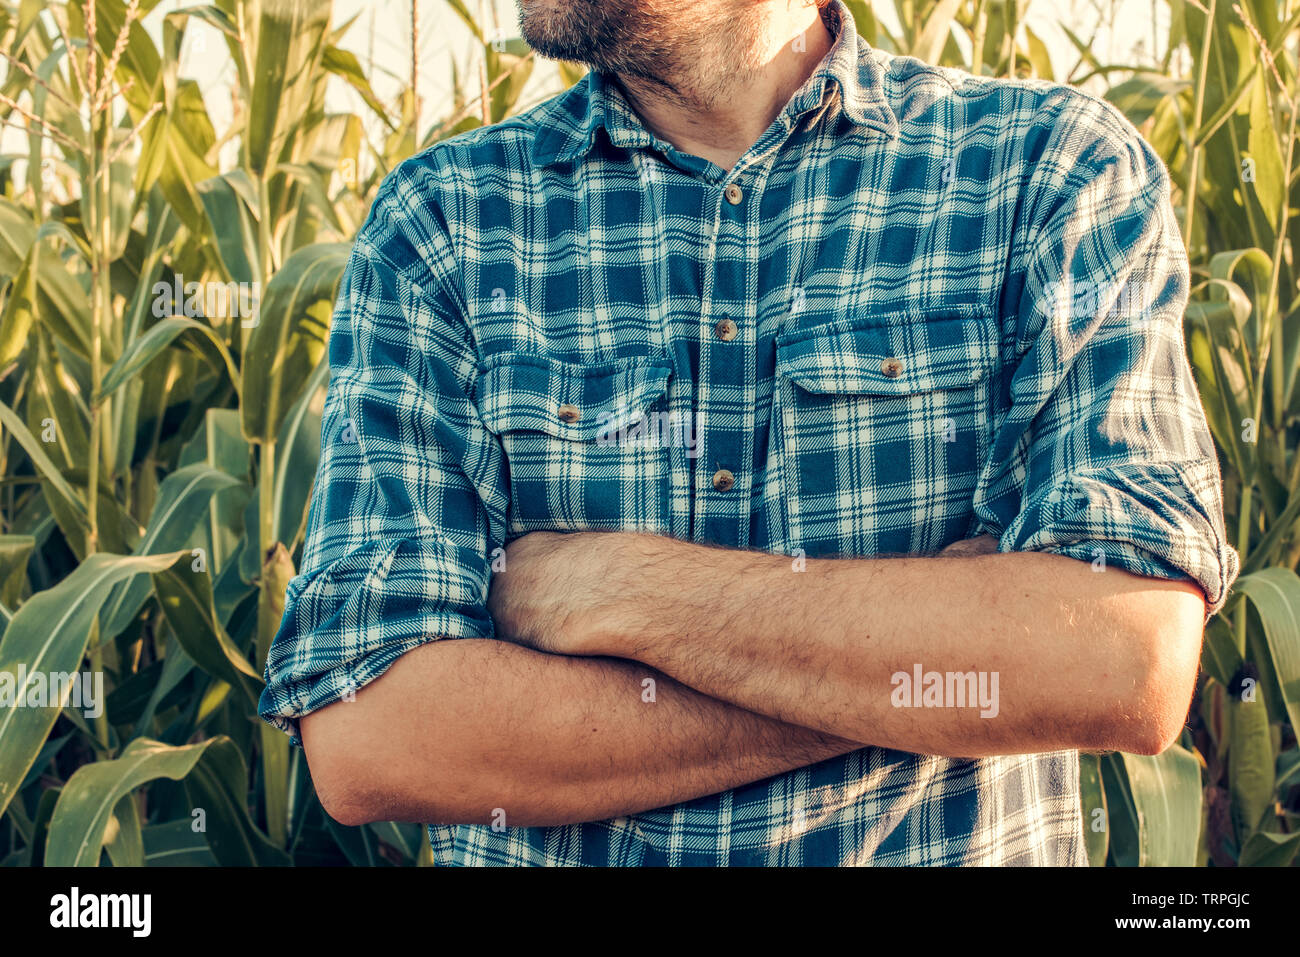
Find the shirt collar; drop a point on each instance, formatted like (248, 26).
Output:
(856, 69)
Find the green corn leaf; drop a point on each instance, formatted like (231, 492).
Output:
(290, 43)
(207, 344)
(176, 844)
(1219, 657)
(1264, 143)
(344, 64)
(1121, 813)
(1275, 594)
(1265, 550)
(934, 34)
(508, 70)
(316, 190)
(218, 442)
(1155, 808)
(61, 302)
(406, 844)
(231, 205)
(41, 826)
(1245, 82)
(177, 666)
(217, 787)
(67, 506)
(182, 503)
(863, 19)
(1092, 799)
(49, 634)
(1270, 850)
(15, 551)
(19, 310)
(174, 148)
(298, 447)
(122, 838)
(1140, 97)
(185, 596)
(289, 339)
(54, 407)
(81, 818)
(1250, 760)
(458, 7)
(1039, 56)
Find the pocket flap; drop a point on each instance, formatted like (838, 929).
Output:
(569, 400)
(889, 355)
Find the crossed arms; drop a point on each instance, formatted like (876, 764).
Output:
(755, 669)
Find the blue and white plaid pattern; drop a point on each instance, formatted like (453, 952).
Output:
(958, 308)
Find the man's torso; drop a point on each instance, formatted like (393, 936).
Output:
(803, 355)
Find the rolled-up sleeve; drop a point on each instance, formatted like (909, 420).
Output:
(1105, 454)
(398, 539)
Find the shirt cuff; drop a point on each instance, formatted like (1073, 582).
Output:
(1152, 519)
(346, 624)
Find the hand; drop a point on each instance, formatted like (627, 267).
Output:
(964, 548)
(576, 593)
(553, 589)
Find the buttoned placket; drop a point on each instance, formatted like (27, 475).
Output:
(723, 479)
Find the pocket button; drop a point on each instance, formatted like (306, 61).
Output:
(569, 413)
(892, 367)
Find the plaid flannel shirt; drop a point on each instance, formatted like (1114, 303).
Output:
(922, 306)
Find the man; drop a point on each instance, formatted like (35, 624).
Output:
(858, 387)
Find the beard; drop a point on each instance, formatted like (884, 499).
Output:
(659, 41)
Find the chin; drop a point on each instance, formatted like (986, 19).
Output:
(584, 31)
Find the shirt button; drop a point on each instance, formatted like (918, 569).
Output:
(569, 413)
(892, 368)
(725, 330)
(734, 194)
(723, 480)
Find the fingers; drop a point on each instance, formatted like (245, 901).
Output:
(964, 548)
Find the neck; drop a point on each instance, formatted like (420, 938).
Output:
(717, 101)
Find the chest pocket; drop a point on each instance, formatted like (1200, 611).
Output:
(882, 425)
(576, 439)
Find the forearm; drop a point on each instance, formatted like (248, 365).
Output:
(455, 730)
(1082, 659)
